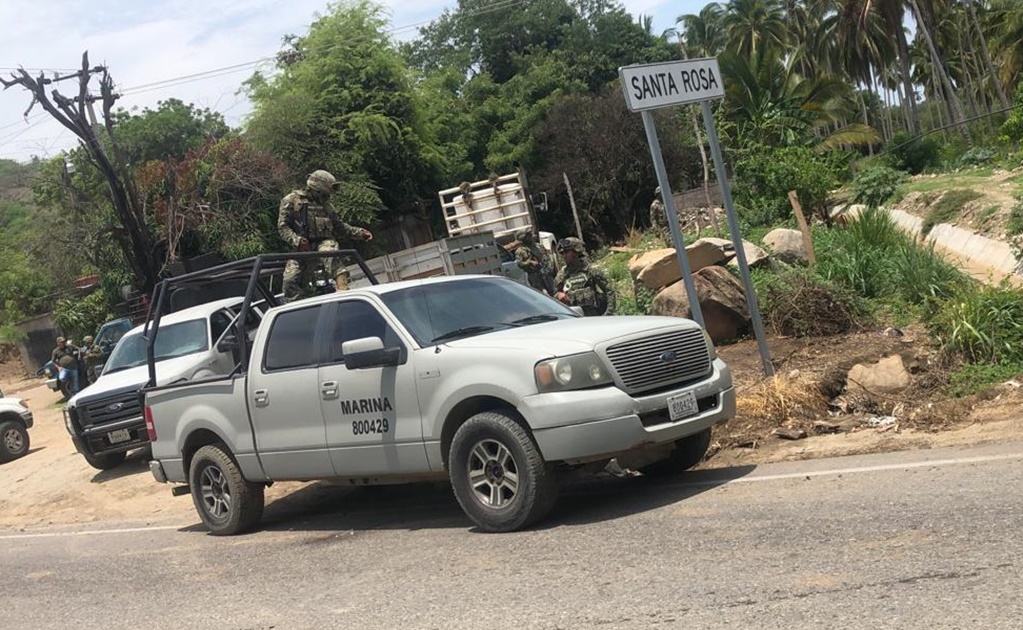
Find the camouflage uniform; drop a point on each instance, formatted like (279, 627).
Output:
(586, 286)
(659, 218)
(93, 354)
(528, 252)
(308, 214)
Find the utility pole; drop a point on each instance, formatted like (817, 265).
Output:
(78, 115)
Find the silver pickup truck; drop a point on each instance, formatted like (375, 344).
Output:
(473, 378)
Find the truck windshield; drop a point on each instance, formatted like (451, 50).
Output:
(173, 340)
(444, 311)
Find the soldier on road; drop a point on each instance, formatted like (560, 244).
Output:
(579, 284)
(531, 258)
(308, 222)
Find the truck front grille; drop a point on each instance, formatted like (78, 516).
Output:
(660, 360)
(113, 409)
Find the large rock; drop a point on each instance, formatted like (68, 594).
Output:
(886, 376)
(755, 256)
(639, 262)
(721, 299)
(662, 269)
(786, 245)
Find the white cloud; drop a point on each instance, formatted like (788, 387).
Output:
(147, 41)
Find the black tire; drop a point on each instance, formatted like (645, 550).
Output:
(225, 501)
(13, 440)
(105, 462)
(689, 451)
(65, 389)
(510, 449)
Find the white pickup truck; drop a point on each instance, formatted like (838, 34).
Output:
(473, 378)
(105, 419)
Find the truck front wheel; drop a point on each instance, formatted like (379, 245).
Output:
(688, 453)
(225, 501)
(13, 440)
(498, 474)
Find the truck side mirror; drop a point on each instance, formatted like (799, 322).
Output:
(369, 352)
(227, 343)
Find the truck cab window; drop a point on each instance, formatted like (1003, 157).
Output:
(357, 319)
(291, 340)
(219, 322)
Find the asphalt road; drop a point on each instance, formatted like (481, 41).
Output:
(926, 539)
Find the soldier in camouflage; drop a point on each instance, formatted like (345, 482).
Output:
(659, 218)
(308, 222)
(579, 284)
(531, 258)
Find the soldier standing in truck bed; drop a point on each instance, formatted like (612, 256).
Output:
(308, 222)
(531, 258)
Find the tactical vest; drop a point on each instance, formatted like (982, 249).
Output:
(583, 294)
(310, 219)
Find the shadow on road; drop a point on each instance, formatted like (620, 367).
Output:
(137, 462)
(326, 506)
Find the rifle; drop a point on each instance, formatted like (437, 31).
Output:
(547, 274)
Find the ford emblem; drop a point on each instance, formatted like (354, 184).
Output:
(115, 407)
(669, 356)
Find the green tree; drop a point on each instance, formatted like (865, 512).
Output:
(170, 130)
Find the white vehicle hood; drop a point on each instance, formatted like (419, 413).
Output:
(167, 371)
(569, 336)
(10, 403)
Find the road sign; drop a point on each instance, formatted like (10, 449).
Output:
(656, 85)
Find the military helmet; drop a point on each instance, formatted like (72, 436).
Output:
(88, 339)
(573, 244)
(523, 235)
(322, 181)
(60, 340)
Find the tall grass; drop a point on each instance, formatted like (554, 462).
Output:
(983, 325)
(876, 260)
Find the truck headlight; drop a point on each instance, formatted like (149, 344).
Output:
(579, 371)
(67, 422)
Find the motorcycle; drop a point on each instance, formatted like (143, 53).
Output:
(62, 379)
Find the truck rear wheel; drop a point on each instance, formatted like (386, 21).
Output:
(689, 451)
(225, 501)
(13, 440)
(498, 474)
(105, 462)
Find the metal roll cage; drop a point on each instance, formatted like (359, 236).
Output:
(250, 269)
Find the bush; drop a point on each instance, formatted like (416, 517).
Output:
(798, 303)
(975, 377)
(78, 317)
(976, 156)
(982, 325)
(1014, 226)
(765, 177)
(875, 186)
(913, 154)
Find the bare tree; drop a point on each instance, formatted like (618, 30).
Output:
(76, 114)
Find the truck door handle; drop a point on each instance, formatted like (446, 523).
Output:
(261, 397)
(328, 389)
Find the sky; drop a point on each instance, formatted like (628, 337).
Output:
(145, 42)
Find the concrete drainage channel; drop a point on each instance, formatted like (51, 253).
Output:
(981, 257)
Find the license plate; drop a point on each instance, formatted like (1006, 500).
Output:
(121, 435)
(682, 406)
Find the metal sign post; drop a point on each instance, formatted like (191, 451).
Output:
(653, 86)
(669, 206)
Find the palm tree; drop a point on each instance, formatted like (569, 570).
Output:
(925, 29)
(891, 13)
(1006, 21)
(773, 105)
(754, 25)
(704, 33)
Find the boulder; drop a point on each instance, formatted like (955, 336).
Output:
(639, 262)
(886, 376)
(662, 269)
(721, 299)
(786, 245)
(755, 256)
